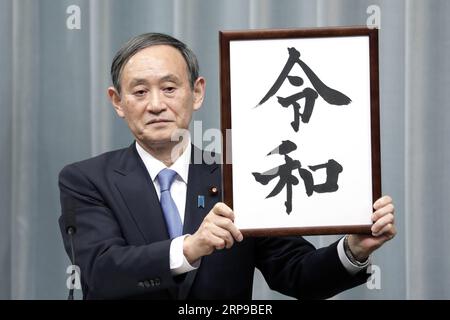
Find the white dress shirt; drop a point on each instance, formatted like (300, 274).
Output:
(178, 189)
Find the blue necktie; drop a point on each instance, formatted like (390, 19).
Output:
(173, 221)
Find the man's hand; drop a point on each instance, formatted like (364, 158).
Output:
(383, 230)
(216, 232)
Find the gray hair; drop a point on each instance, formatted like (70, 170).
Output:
(136, 44)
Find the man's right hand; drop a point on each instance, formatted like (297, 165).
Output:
(216, 232)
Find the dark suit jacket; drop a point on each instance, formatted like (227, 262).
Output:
(122, 245)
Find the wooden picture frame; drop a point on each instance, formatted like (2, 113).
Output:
(300, 117)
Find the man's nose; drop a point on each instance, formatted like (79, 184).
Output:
(156, 103)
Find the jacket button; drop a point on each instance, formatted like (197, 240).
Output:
(147, 284)
(141, 284)
(157, 281)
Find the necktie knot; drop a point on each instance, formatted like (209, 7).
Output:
(165, 178)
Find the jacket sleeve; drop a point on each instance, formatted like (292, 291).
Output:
(292, 266)
(110, 267)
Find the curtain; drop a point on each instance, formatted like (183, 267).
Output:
(55, 111)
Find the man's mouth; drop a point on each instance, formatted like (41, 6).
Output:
(153, 121)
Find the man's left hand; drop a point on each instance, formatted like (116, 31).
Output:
(383, 229)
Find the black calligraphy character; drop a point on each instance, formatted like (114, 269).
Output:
(328, 94)
(333, 169)
(287, 179)
(284, 172)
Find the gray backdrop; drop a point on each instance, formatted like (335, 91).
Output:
(54, 111)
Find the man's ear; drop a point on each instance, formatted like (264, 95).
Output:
(114, 96)
(199, 92)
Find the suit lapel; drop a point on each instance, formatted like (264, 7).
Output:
(139, 194)
(201, 178)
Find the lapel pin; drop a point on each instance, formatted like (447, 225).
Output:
(213, 191)
(200, 201)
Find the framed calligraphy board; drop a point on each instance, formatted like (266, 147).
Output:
(300, 117)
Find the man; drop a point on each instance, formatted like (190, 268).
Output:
(140, 233)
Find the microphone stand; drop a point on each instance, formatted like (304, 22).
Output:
(71, 231)
(70, 225)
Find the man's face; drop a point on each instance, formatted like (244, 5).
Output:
(156, 98)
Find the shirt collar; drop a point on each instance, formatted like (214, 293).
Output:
(154, 166)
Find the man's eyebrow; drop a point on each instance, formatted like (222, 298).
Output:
(170, 78)
(138, 81)
(167, 78)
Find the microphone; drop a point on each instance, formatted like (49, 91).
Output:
(70, 226)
